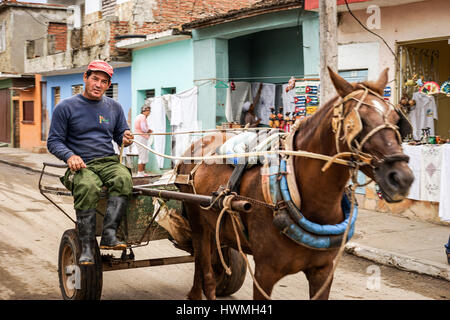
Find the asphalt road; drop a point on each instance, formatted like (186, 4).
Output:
(31, 229)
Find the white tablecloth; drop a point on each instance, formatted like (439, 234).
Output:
(431, 167)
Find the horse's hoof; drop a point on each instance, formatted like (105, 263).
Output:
(193, 296)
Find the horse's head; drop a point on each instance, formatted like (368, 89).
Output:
(372, 128)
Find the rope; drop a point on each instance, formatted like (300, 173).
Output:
(344, 240)
(227, 208)
(205, 131)
(256, 154)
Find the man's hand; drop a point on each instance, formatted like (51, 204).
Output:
(127, 136)
(75, 163)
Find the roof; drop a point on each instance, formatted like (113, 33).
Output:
(5, 4)
(262, 7)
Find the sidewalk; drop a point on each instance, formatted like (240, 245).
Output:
(381, 237)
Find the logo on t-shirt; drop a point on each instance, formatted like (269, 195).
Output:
(102, 119)
(429, 113)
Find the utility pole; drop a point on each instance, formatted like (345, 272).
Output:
(328, 47)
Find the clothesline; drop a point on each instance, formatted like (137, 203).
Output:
(299, 78)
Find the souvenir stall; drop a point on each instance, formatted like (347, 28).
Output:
(424, 95)
(278, 105)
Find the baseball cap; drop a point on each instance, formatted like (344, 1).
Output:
(100, 65)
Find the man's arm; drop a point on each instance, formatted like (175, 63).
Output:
(122, 133)
(57, 137)
(56, 142)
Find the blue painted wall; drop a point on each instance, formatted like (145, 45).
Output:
(122, 76)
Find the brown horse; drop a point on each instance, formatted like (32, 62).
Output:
(275, 255)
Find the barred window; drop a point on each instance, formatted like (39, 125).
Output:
(113, 91)
(76, 89)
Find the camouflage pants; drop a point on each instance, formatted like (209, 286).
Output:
(86, 184)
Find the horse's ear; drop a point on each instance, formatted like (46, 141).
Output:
(382, 81)
(341, 85)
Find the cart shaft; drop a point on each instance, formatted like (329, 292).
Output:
(132, 264)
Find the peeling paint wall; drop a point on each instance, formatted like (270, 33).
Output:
(21, 25)
(143, 11)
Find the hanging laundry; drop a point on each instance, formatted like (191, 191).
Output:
(423, 114)
(288, 99)
(184, 118)
(266, 101)
(235, 100)
(157, 122)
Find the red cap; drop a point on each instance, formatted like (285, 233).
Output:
(100, 65)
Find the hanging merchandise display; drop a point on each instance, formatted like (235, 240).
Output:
(419, 70)
(429, 87)
(306, 97)
(445, 88)
(422, 116)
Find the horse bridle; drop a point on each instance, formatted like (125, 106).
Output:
(348, 126)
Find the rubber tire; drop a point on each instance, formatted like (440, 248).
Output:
(90, 277)
(228, 284)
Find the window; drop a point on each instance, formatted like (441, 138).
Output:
(56, 96)
(28, 111)
(168, 91)
(3, 36)
(113, 91)
(149, 93)
(76, 89)
(44, 118)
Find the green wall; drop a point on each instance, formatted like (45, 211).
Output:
(282, 43)
(275, 53)
(165, 66)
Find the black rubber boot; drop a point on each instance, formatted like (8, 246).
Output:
(116, 208)
(86, 233)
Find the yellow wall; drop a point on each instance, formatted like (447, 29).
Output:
(30, 133)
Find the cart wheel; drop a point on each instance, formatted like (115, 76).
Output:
(228, 284)
(78, 282)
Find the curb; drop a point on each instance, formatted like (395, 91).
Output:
(402, 262)
(14, 164)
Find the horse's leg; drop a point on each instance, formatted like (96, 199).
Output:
(209, 281)
(316, 278)
(196, 291)
(266, 276)
(203, 274)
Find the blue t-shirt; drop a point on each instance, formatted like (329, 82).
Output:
(86, 128)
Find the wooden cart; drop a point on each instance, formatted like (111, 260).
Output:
(138, 228)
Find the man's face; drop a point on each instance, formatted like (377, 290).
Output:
(96, 85)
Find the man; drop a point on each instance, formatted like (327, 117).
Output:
(81, 134)
(141, 128)
(248, 111)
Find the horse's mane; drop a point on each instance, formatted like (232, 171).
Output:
(309, 125)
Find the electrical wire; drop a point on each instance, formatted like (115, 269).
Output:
(375, 34)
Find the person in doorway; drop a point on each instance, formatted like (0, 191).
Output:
(248, 111)
(81, 133)
(140, 129)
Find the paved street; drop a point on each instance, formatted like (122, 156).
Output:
(31, 227)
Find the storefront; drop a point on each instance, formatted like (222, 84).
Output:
(419, 73)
